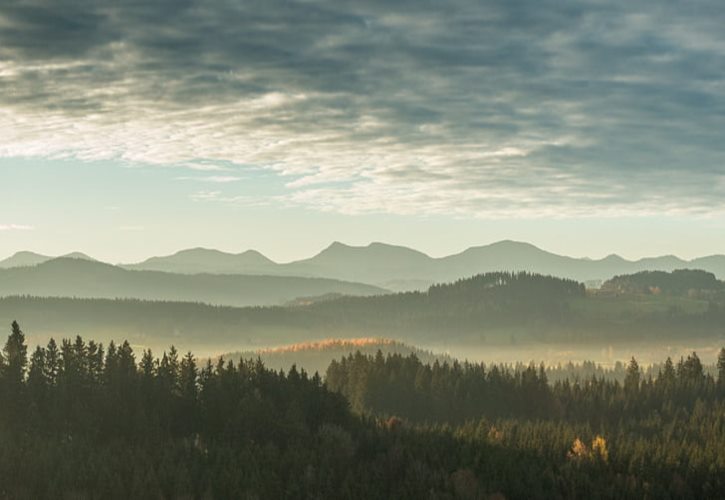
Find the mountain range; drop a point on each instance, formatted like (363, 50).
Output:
(400, 268)
(25, 259)
(82, 278)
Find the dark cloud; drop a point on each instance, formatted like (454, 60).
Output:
(522, 106)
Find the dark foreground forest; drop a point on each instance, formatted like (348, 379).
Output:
(78, 420)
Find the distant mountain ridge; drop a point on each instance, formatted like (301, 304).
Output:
(25, 259)
(204, 260)
(402, 268)
(78, 277)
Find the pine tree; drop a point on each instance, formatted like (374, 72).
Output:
(12, 387)
(38, 379)
(632, 378)
(668, 373)
(721, 367)
(52, 362)
(16, 357)
(188, 376)
(147, 366)
(690, 370)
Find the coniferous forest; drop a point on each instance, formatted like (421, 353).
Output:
(82, 420)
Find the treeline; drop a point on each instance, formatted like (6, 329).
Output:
(78, 420)
(455, 392)
(317, 356)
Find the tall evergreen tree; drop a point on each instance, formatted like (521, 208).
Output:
(37, 375)
(16, 357)
(632, 378)
(52, 362)
(668, 373)
(690, 370)
(12, 387)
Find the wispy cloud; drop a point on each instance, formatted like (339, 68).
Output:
(132, 228)
(218, 179)
(471, 108)
(205, 195)
(16, 227)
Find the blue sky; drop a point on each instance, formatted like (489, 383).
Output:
(120, 213)
(138, 128)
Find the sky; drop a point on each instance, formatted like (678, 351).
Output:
(137, 128)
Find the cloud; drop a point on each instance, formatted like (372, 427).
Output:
(131, 228)
(483, 109)
(205, 195)
(218, 179)
(15, 227)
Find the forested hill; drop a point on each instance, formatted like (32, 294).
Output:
(496, 293)
(317, 356)
(680, 282)
(486, 309)
(507, 286)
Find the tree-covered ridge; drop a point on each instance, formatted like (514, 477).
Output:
(485, 300)
(679, 282)
(78, 420)
(417, 318)
(522, 285)
(316, 356)
(490, 308)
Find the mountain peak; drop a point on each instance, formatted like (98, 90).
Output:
(77, 255)
(374, 249)
(199, 252)
(337, 244)
(23, 258)
(513, 244)
(506, 246)
(207, 260)
(613, 257)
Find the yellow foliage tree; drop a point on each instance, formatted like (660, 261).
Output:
(599, 448)
(579, 451)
